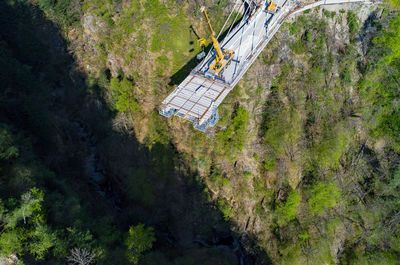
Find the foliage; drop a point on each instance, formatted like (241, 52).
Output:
(329, 150)
(140, 186)
(233, 138)
(225, 208)
(10, 242)
(123, 95)
(390, 40)
(139, 240)
(269, 164)
(352, 22)
(395, 3)
(286, 211)
(281, 128)
(220, 181)
(64, 12)
(25, 229)
(323, 196)
(7, 148)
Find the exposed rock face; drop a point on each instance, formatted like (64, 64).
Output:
(10, 260)
(113, 64)
(89, 23)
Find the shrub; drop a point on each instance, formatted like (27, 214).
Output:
(247, 174)
(269, 164)
(219, 180)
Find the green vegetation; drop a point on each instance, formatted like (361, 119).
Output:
(286, 211)
(233, 138)
(122, 94)
(304, 158)
(323, 196)
(138, 241)
(352, 22)
(225, 209)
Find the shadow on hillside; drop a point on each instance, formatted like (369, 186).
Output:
(182, 73)
(149, 185)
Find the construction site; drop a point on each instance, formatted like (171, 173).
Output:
(197, 98)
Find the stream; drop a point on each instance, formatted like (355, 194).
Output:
(94, 168)
(103, 185)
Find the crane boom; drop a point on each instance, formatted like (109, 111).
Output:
(223, 57)
(214, 39)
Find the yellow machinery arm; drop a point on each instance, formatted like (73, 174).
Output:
(223, 57)
(214, 39)
(271, 6)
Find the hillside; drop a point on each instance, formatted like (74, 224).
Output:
(302, 167)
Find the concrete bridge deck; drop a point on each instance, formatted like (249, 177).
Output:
(197, 98)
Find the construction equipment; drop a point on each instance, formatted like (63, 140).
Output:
(223, 57)
(271, 7)
(202, 42)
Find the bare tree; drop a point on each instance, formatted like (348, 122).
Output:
(81, 257)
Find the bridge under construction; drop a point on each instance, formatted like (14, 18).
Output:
(197, 98)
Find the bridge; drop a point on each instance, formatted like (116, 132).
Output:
(197, 98)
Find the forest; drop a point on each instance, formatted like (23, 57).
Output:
(302, 167)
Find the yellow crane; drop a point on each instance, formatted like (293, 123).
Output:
(223, 57)
(271, 6)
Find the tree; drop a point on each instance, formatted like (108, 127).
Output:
(138, 241)
(323, 196)
(7, 148)
(31, 206)
(10, 242)
(233, 138)
(41, 241)
(81, 257)
(122, 93)
(286, 211)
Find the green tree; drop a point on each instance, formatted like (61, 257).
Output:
(42, 239)
(390, 40)
(138, 241)
(30, 209)
(286, 211)
(10, 242)
(122, 93)
(7, 147)
(323, 196)
(225, 208)
(233, 138)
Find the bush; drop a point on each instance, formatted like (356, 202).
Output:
(219, 180)
(269, 164)
(247, 174)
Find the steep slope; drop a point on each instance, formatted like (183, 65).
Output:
(302, 168)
